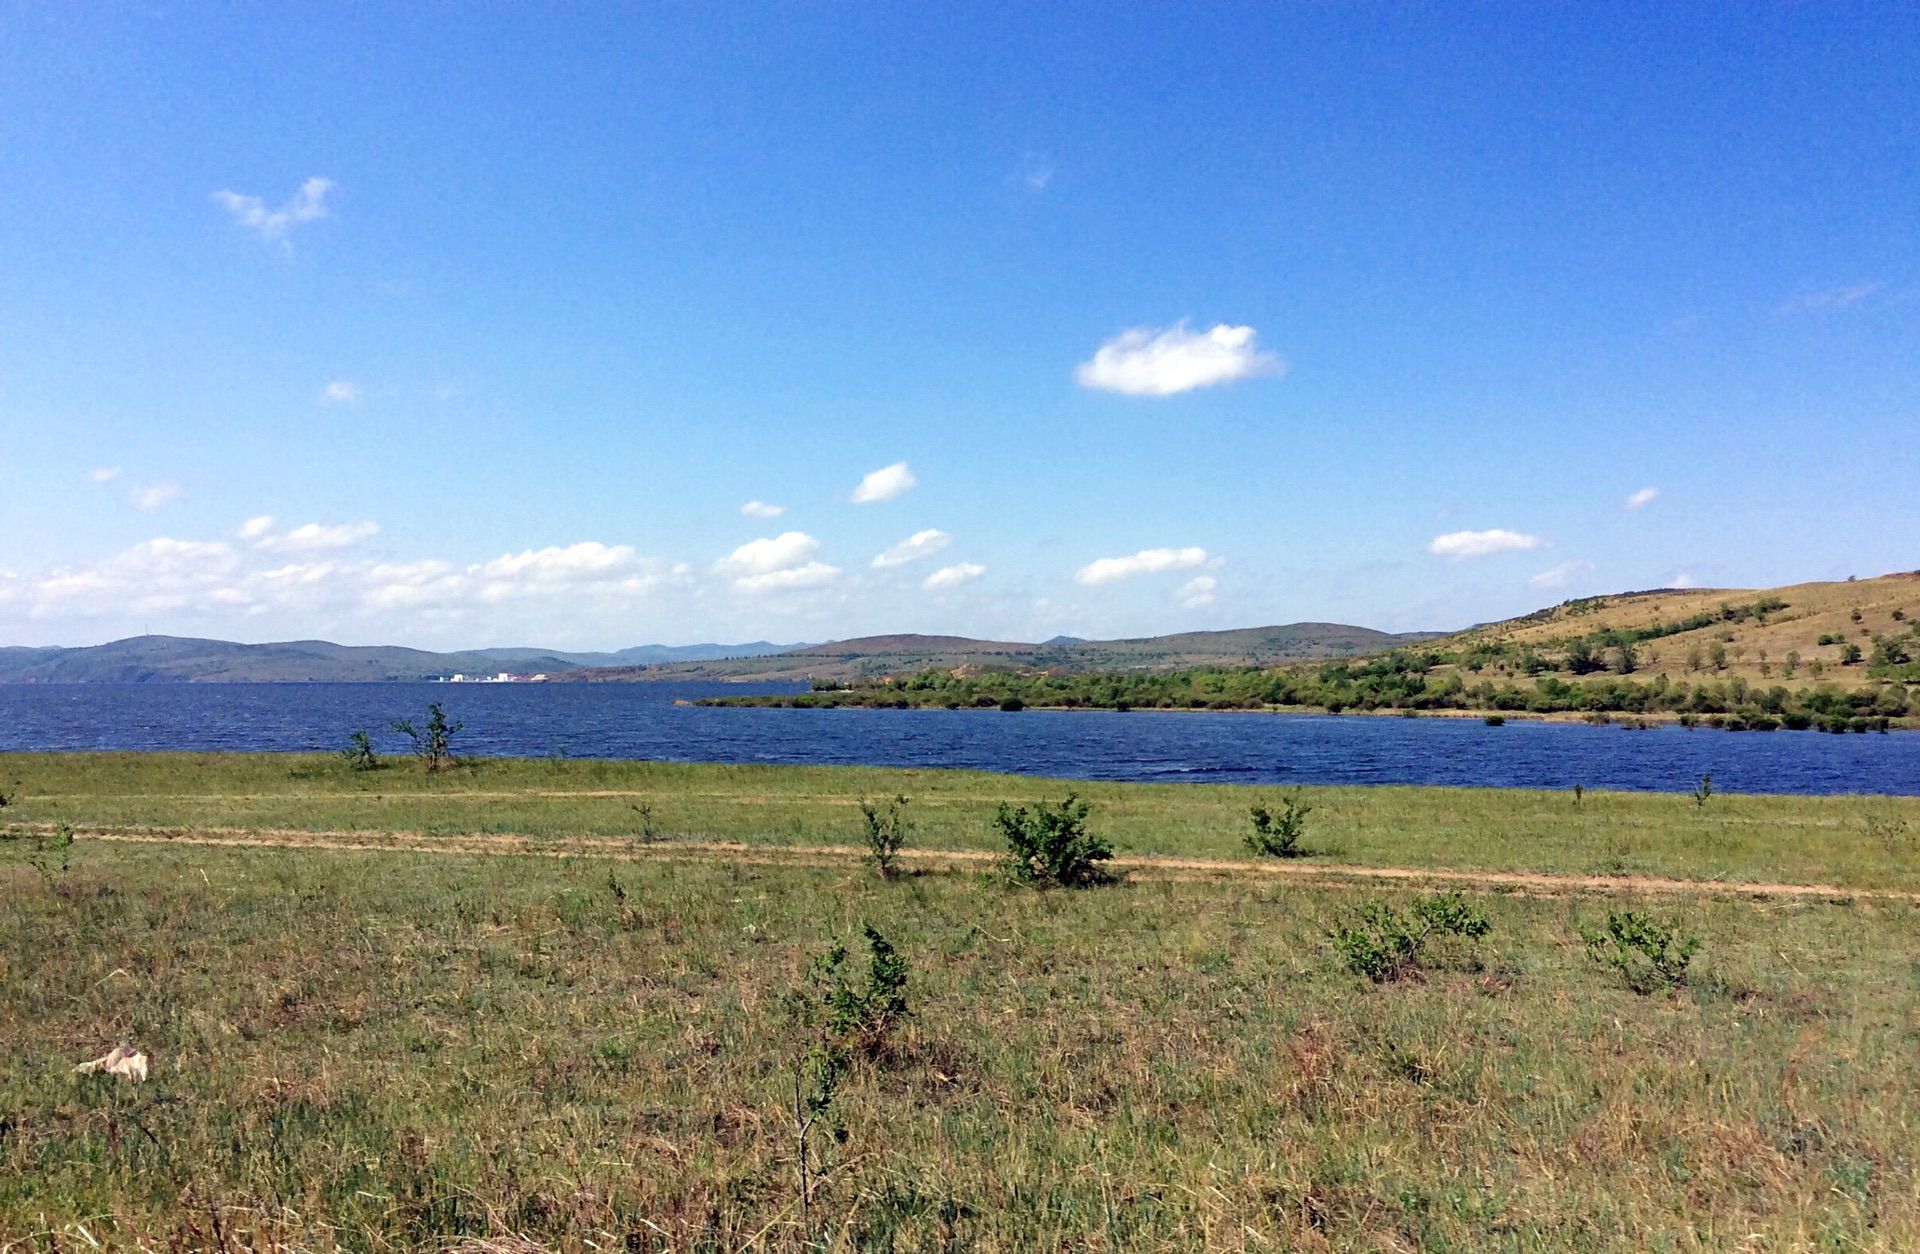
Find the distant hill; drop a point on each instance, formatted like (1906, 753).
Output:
(177, 659)
(872, 656)
(1791, 636)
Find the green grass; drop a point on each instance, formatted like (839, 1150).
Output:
(1860, 842)
(392, 1051)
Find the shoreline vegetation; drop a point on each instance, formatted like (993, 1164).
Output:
(1599, 675)
(558, 1005)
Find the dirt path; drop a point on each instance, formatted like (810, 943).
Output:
(1184, 869)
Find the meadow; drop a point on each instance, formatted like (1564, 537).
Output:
(558, 1005)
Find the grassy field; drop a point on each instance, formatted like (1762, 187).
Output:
(522, 1014)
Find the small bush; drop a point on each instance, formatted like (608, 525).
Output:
(1384, 943)
(434, 742)
(1050, 846)
(887, 831)
(1703, 792)
(50, 854)
(1650, 954)
(855, 1013)
(1278, 836)
(1495, 720)
(359, 751)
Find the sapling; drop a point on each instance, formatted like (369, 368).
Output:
(1278, 836)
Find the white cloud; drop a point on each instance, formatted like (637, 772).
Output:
(1843, 297)
(101, 474)
(1145, 562)
(953, 576)
(340, 392)
(776, 562)
(884, 484)
(154, 496)
(158, 574)
(809, 575)
(311, 536)
(1460, 545)
(1197, 592)
(1036, 172)
(1145, 362)
(309, 204)
(587, 567)
(1559, 575)
(761, 509)
(921, 544)
(1682, 579)
(256, 527)
(1644, 496)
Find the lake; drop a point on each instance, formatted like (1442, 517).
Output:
(643, 721)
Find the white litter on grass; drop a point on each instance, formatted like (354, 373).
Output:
(124, 1061)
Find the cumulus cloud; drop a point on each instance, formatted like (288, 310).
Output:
(1147, 362)
(102, 474)
(1460, 545)
(256, 527)
(154, 496)
(953, 576)
(311, 536)
(158, 574)
(309, 204)
(340, 392)
(1643, 497)
(921, 544)
(884, 484)
(1145, 562)
(761, 509)
(776, 562)
(1558, 576)
(1197, 592)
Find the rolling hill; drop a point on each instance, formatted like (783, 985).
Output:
(177, 659)
(873, 656)
(1793, 636)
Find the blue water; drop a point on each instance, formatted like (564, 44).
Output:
(643, 721)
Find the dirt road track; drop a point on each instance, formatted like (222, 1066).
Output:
(486, 844)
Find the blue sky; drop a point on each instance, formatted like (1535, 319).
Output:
(473, 325)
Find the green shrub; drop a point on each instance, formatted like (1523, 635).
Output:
(887, 830)
(1650, 954)
(1278, 836)
(359, 751)
(861, 1013)
(1384, 943)
(434, 742)
(50, 854)
(1704, 791)
(1050, 846)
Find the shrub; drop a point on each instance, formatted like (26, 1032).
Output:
(1050, 845)
(1650, 954)
(1495, 720)
(1704, 791)
(1278, 836)
(434, 742)
(359, 751)
(887, 830)
(1013, 705)
(49, 854)
(855, 1013)
(1383, 943)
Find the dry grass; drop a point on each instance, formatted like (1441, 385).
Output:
(377, 1050)
(1755, 651)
